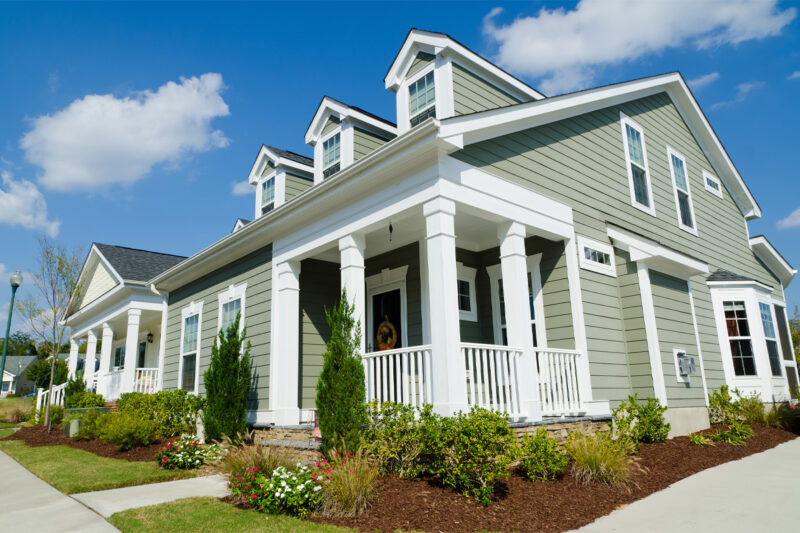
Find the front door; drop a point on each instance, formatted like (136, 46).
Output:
(387, 322)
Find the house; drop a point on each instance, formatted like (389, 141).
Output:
(14, 379)
(546, 257)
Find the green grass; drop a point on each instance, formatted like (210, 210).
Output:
(70, 470)
(5, 433)
(210, 515)
(9, 405)
(4, 425)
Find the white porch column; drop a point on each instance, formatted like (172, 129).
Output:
(285, 344)
(105, 360)
(91, 354)
(131, 350)
(72, 362)
(514, 267)
(162, 341)
(448, 369)
(351, 249)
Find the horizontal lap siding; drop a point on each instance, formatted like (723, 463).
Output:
(581, 161)
(256, 270)
(471, 93)
(365, 142)
(641, 374)
(479, 331)
(422, 60)
(296, 185)
(330, 125)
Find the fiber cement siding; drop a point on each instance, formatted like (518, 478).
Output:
(100, 282)
(330, 125)
(365, 142)
(633, 329)
(422, 60)
(296, 185)
(472, 93)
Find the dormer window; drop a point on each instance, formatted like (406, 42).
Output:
(422, 99)
(331, 155)
(268, 195)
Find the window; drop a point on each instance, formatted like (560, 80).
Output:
(119, 357)
(744, 363)
(229, 312)
(466, 292)
(683, 195)
(464, 303)
(534, 300)
(231, 303)
(771, 338)
(190, 346)
(712, 184)
(331, 153)
(268, 195)
(422, 99)
(596, 256)
(636, 162)
(142, 354)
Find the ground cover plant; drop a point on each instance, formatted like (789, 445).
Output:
(186, 453)
(294, 492)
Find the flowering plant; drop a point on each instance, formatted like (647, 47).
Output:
(293, 492)
(186, 453)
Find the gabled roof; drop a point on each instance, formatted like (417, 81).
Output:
(240, 223)
(724, 275)
(773, 259)
(434, 42)
(476, 127)
(137, 265)
(296, 162)
(330, 106)
(291, 156)
(13, 363)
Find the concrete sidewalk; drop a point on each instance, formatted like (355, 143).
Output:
(757, 493)
(108, 502)
(29, 504)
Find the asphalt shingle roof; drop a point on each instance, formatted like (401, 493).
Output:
(303, 160)
(12, 363)
(137, 265)
(724, 275)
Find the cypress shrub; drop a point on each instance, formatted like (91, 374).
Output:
(340, 389)
(227, 382)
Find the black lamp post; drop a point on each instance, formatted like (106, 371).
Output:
(16, 281)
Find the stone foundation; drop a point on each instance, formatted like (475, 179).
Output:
(297, 442)
(560, 429)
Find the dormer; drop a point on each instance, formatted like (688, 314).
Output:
(342, 134)
(279, 176)
(434, 75)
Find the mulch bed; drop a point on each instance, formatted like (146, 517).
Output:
(38, 436)
(549, 507)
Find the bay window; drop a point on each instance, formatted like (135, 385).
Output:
(739, 337)
(771, 339)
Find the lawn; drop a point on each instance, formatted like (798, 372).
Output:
(9, 405)
(5, 431)
(70, 470)
(211, 515)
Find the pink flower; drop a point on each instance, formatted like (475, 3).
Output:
(234, 485)
(254, 495)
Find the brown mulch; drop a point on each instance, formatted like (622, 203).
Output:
(38, 436)
(550, 506)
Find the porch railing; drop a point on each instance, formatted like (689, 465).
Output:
(402, 375)
(493, 377)
(146, 380)
(558, 381)
(56, 399)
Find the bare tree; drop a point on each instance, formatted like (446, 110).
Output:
(45, 309)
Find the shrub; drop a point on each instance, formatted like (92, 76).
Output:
(56, 415)
(340, 388)
(349, 483)
(599, 459)
(641, 422)
(174, 412)
(293, 492)
(753, 411)
(186, 453)
(724, 408)
(737, 434)
(75, 387)
(83, 400)
(541, 457)
(90, 428)
(396, 437)
(699, 440)
(227, 382)
(126, 430)
(239, 461)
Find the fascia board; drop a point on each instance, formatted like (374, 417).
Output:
(770, 256)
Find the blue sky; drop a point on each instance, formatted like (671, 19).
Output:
(207, 84)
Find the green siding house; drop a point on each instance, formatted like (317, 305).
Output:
(546, 257)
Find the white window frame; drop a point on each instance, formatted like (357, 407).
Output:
(273, 176)
(670, 153)
(678, 377)
(121, 344)
(709, 176)
(386, 280)
(407, 88)
(534, 269)
(233, 292)
(336, 131)
(776, 339)
(587, 264)
(194, 308)
(468, 274)
(651, 209)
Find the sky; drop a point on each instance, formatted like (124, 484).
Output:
(136, 124)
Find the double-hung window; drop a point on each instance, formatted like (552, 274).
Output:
(683, 195)
(636, 162)
(119, 357)
(421, 99)
(189, 348)
(771, 338)
(534, 290)
(231, 305)
(739, 337)
(465, 287)
(268, 195)
(331, 155)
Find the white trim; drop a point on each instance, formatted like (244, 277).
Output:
(387, 280)
(195, 308)
(329, 106)
(776, 263)
(533, 268)
(670, 153)
(233, 292)
(655, 255)
(588, 264)
(625, 120)
(425, 298)
(697, 341)
(651, 332)
(468, 274)
(709, 176)
(265, 154)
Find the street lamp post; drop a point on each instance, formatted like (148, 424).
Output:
(16, 281)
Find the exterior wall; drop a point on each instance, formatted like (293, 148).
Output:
(365, 142)
(296, 185)
(100, 282)
(330, 125)
(472, 93)
(633, 329)
(580, 161)
(422, 60)
(256, 270)
(482, 330)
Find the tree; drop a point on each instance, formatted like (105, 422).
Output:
(340, 389)
(227, 382)
(39, 372)
(55, 284)
(19, 343)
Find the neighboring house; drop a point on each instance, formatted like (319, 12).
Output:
(14, 379)
(542, 256)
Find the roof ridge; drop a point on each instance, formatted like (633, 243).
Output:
(138, 249)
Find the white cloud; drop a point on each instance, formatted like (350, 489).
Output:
(742, 91)
(101, 140)
(794, 75)
(702, 81)
(240, 188)
(792, 221)
(22, 204)
(563, 48)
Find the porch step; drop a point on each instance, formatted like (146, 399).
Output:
(112, 406)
